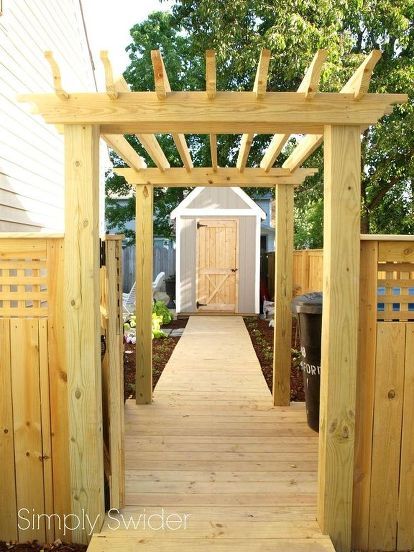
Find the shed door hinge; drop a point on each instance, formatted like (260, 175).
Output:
(201, 305)
(102, 253)
(199, 225)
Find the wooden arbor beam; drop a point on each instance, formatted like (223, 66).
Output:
(82, 323)
(148, 141)
(284, 199)
(162, 89)
(229, 113)
(309, 86)
(358, 86)
(259, 88)
(339, 332)
(222, 176)
(143, 275)
(211, 84)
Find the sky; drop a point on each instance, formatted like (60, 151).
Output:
(108, 24)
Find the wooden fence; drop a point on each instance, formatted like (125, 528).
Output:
(163, 260)
(34, 436)
(307, 270)
(383, 510)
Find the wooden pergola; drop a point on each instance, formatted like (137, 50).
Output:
(335, 118)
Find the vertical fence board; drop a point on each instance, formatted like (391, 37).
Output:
(8, 515)
(115, 376)
(58, 386)
(405, 537)
(300, 272)
(389, 387)
(46, 429)
(365, 393)
(27, 425)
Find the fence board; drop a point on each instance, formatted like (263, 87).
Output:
(46, 432)
(24, 335)
(405, 537)
(8, 516)
(364, 413)
(389, 387)
(58, 385)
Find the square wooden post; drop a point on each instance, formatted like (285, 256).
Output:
(82, 324)
(144, 246)
(283, 294)
(339, 332)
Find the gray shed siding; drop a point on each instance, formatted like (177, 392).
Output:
(217, 198)
(247, 263)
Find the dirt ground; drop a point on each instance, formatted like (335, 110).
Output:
(262, 338)
(162, 349)
(35, 547)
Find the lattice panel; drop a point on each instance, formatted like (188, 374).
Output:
(23, 284)
(395, 291)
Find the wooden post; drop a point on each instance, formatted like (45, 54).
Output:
(82, 324)
(339, 332)
(283, 294)
(143, 233)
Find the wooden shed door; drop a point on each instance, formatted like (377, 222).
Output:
(217, 265)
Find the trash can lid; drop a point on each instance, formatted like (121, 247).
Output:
(309, 303)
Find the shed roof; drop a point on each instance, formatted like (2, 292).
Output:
(242, 202)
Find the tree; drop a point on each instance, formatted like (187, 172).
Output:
(185, 72)
(238, 29)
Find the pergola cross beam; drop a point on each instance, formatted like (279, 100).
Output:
(210, 177)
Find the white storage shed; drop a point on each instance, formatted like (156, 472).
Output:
(218, 252)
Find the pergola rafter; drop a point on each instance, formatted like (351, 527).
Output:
(337, 117)
(358, 86)
(259, 88)
(162, 88)
(309, 86)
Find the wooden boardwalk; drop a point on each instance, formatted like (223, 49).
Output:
(234, 473)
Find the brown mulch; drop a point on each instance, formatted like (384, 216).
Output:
(262, 338)
(35, 546)
(162, 349)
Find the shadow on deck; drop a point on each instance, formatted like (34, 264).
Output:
(211, 464)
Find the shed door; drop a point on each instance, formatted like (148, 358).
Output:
(217, 265)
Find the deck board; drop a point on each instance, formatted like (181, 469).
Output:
(212, 447)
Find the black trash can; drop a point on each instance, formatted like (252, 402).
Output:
(309, 312)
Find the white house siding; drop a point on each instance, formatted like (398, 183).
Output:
(31, 152)
(247, 263)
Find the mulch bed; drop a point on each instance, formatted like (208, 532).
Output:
(162, 349)
(35, 546)
(262, 338)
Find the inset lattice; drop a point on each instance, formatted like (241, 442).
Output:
(23, 284)
(395, 291)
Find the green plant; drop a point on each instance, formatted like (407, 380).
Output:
(161, 309)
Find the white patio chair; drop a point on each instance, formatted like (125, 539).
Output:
(129, 299)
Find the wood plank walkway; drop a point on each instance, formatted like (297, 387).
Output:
(236, 473)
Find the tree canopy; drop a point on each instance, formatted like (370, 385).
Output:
(293, 31)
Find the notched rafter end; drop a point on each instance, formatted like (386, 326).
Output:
(211, 74)
(111, 88)
(57, 80)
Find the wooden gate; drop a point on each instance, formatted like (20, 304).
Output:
(217, 265)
